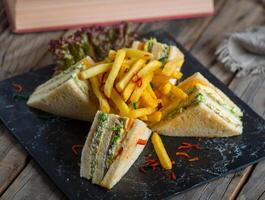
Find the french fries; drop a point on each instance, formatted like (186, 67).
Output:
(119, 102)
(155, 117)
(135, 53)
(141, 112)
(114, 72)
(130, 82)
(95, 70)
(103, 102)
(148, 99)
(149, 68)
(139, 90)
(128, 91)
(127, 77)
(161, 151)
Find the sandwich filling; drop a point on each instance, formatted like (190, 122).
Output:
(118, 134)
(200, 95)
(98, 135)
(106, 144)
(60, 79)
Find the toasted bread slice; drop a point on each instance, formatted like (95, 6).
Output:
(128, 156)
(65, 95)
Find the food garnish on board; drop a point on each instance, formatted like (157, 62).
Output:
(95, 41)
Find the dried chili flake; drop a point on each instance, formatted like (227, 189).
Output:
(141, 142)
(76, 147)
(139, 83)
(18, 88)
(141, 169)
(194, 159)
(185, 145)
(182, 154)
(135, 78)
(173, 175)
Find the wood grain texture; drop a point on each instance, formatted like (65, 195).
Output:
(30, 185)
(235, 16)
(252, 91)
(12, 158)
(18, 54)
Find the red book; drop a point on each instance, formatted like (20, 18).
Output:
(44, 15)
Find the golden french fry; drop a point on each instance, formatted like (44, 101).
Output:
(151, 91)
(128, 91)
(135, 53)
(118, 101)
(161, 151)
(170, 67)
(95, 70)
(148, 99)
(166, 88)
(164, 100)
(87, 61)
(144, 118)
(178, 93)
(139, 90)
(155, 117)
(177, 75)
(127, 77)
(159, 80)
(114, 72)
(112, 54)
(103, 102)
(170, 107)
(141, 112)
(149, 68)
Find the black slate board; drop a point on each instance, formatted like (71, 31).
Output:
(49, 139)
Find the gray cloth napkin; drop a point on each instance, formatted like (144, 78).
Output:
(244, 51)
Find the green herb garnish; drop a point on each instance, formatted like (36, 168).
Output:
(199, 98)
(134, 105)
(20, 96)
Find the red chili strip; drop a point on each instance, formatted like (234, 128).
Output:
(186, 145)
(141, 169)
(75, 148)
(17, 87)
(141, 142)
(173, 175)
(135, 79)
(139, 83)
(194, 159)
(182, 154)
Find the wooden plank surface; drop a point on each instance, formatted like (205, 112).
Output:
(24, 187)
(24, 52)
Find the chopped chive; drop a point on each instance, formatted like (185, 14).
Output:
(134, 105)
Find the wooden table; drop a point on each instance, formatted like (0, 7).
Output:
(21, 178)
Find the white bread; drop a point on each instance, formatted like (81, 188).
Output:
(218, 92)
(85, 168)
(65, 95)
(100, 158)
(199, 120)
(129, 155)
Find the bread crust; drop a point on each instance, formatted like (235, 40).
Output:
(66, 100)
(197, 121)
(129, 155)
